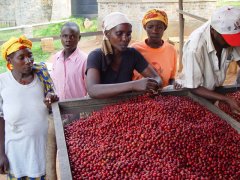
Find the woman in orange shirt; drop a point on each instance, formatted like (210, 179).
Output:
(160, 54)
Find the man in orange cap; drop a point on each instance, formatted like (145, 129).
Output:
(208, 52)
(23, 115)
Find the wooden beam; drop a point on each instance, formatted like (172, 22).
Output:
(181, 35)
(192, 15)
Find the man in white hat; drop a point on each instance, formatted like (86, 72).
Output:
(208, 52)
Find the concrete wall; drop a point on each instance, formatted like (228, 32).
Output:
(135, 12)
(61, 9)
(7, 11)
(31, 11)
(23, 12)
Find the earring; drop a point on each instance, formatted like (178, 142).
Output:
(9, 66)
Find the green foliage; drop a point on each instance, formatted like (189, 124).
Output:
(54, 29)
(80, 22)
(5, 35)
(3, 65)
(221, 3)
(43, 31)
(39, 55)
(47, 31)
(57, 44)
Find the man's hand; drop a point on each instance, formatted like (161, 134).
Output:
(234, 105)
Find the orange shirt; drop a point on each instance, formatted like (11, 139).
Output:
(163, 60)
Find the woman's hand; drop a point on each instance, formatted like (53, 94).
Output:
(159, 81)
(4, 164)
(50, 98)
(146, 84)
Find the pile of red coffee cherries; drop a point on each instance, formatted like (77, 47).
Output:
(165, 137)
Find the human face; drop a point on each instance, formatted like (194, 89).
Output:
(218, 40)
(22, 61)
(69, 38)
(155, 30)
(120, 36)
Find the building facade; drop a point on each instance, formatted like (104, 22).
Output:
(24, 12)
(135, 10)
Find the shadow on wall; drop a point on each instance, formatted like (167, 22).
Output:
(47, 7)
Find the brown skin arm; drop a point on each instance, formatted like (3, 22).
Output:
(150, 72)
(211, 95)
(4, 164)
(97, 90)
(238, 74)
(238, 63)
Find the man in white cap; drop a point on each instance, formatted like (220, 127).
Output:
(208, 52)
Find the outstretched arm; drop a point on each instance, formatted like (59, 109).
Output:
(211, 95)
(97, 90)
(151, 73)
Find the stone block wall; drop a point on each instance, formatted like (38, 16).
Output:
(61, 9)
(24, 12)
(136, 9)
(30, 12)
(7, 11)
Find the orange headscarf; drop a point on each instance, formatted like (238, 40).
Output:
(14, 44)
(155, 14)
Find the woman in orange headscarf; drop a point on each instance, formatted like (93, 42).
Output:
(159, 53)
(25, 91)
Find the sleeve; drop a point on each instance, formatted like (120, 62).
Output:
(140, 63)
(236, 54)
(192, 70)
(94, 60)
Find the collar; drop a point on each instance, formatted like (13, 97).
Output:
(72, 57)
(163, 44)
(210, 46)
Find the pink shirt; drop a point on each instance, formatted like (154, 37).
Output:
(68, 76)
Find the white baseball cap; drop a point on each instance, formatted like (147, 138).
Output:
(226, 21)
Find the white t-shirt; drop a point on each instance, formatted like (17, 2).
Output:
(26, 125)
(200, 62)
